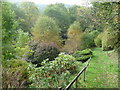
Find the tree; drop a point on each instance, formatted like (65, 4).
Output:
(85, 18)
(46, 30)
(0, 33)
(98, 40)
(20, 17)
(109, 39)
(107, 14)
(46, 40)
(88, 39)
(60, 14)
(21, 47)
(31, 13)
(74, 41)
(9, 33)
(73, 13)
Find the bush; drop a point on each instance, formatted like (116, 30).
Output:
(98, 40)
(43, 51)
(83, 58)
(88, 39)
(15, 73)
(83, 55)
(22, 39)
(67, 62)
(55, 73)
(83, 52)
(109, 39)
(22, 52)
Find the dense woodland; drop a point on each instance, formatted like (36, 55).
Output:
(45, 49)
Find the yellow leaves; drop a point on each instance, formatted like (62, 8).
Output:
(46, 30)
(22, 52)
(109, 38)
(73, 33)
(74, 38)
(116, 19)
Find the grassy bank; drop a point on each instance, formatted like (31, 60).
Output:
(101, 73)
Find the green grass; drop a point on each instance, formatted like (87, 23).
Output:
(101, 73)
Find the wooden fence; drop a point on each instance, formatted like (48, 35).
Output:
(76, 77)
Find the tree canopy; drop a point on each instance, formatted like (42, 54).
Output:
(9, 33)
(46, 30)
(74, 41)
(60, 14)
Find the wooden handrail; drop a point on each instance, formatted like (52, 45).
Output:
(76, 77)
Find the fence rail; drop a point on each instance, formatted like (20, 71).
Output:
(76, 77)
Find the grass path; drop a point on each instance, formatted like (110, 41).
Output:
(101, 73)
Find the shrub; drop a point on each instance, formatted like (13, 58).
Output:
(43, 51)
(88, 39)
(22, 52)
(55, 73)
(83, 52)
(20, 47)
(22, 39)
(67, 61)
(12, 79)
(109, 39)
(98, 40)
(83, 58)
(83, 55)
(15, 73)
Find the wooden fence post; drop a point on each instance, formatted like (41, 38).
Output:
(59, 88)
(76, 83)
(84, 75)
(76, 77)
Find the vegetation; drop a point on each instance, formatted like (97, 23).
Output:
(98, 40)
(46, 30)
(15, 73)
(43, 51)
(74, 36)
(47, 49)
(109, 39)
(84, 55)
(9, 25)
(102, 71)
(60, 14)
(54, 73)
